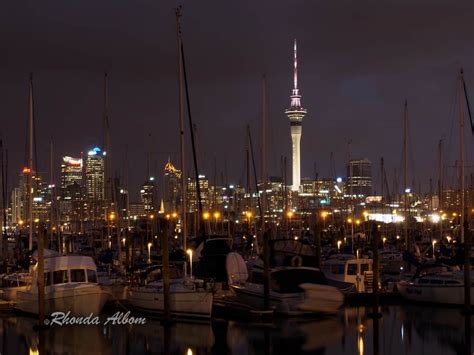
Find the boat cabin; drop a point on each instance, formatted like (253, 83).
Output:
(66, 269)
(346, 271)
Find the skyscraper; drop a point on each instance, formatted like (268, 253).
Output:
(296, 114)
(147, 195)
(95, 176)
(359, 177)
(71, 172)
(172, 187)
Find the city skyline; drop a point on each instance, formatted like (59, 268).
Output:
(351, 89)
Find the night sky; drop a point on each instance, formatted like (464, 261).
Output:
(358, 62)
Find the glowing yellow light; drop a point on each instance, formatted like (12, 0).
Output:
(36, 220)
(248, 214)
(289, 214)
(189, 352)
(365, 213)
(216, 215)
(153, 216)
(112, 216)
(361, 346)
(174, 215)
(349, 220)
(324, 214)
(20, 222)
(357, 221)
(339, 242)
(26, 170)
(454, 214)
(168, 216)
(206, 215)
(398, 237)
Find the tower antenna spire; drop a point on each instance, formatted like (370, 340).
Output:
(295, 73)
(295, 114)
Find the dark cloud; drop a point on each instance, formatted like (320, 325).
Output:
(359, 60)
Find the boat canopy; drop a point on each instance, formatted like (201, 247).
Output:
(287, 280)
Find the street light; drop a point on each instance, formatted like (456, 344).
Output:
(324, 214)
(384, 239)
(149, 253)
(339, 242)
(433, 243)
(366, 214)
(216, 217)
(190, 253)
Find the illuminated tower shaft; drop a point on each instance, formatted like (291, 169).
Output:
(296, 114)
(295, 154)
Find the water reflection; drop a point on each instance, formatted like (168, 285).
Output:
(401, 330)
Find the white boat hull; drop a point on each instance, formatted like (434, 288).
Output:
(444, 294)
(189, 304)
(80, 301)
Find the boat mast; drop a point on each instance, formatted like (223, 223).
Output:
(265, 233)
(4, 169)
(461, 151)
(52, 188)
(405, 172)
(29, 185)
(202, 228)
(440, 186)
(263, 151)
(181, 129)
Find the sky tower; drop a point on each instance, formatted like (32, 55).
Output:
(295, 113)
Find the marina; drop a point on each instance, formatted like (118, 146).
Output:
(171, 223)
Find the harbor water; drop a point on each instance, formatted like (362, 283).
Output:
(404, 329)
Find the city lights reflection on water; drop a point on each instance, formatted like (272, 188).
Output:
(401, 330)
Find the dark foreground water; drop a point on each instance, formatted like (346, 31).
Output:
(402, 330)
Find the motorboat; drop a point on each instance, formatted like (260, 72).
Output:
(189, 297)
(293, 290)
(12, 283)
(349, 273)
(70, 286)
(444, 285)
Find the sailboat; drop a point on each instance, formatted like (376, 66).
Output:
(447, 286)
(189, 297)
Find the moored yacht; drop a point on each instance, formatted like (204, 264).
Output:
(70, 285)
(348, 273)
(12, 283)
(189, 297)
(293, 290)
(444, 285)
